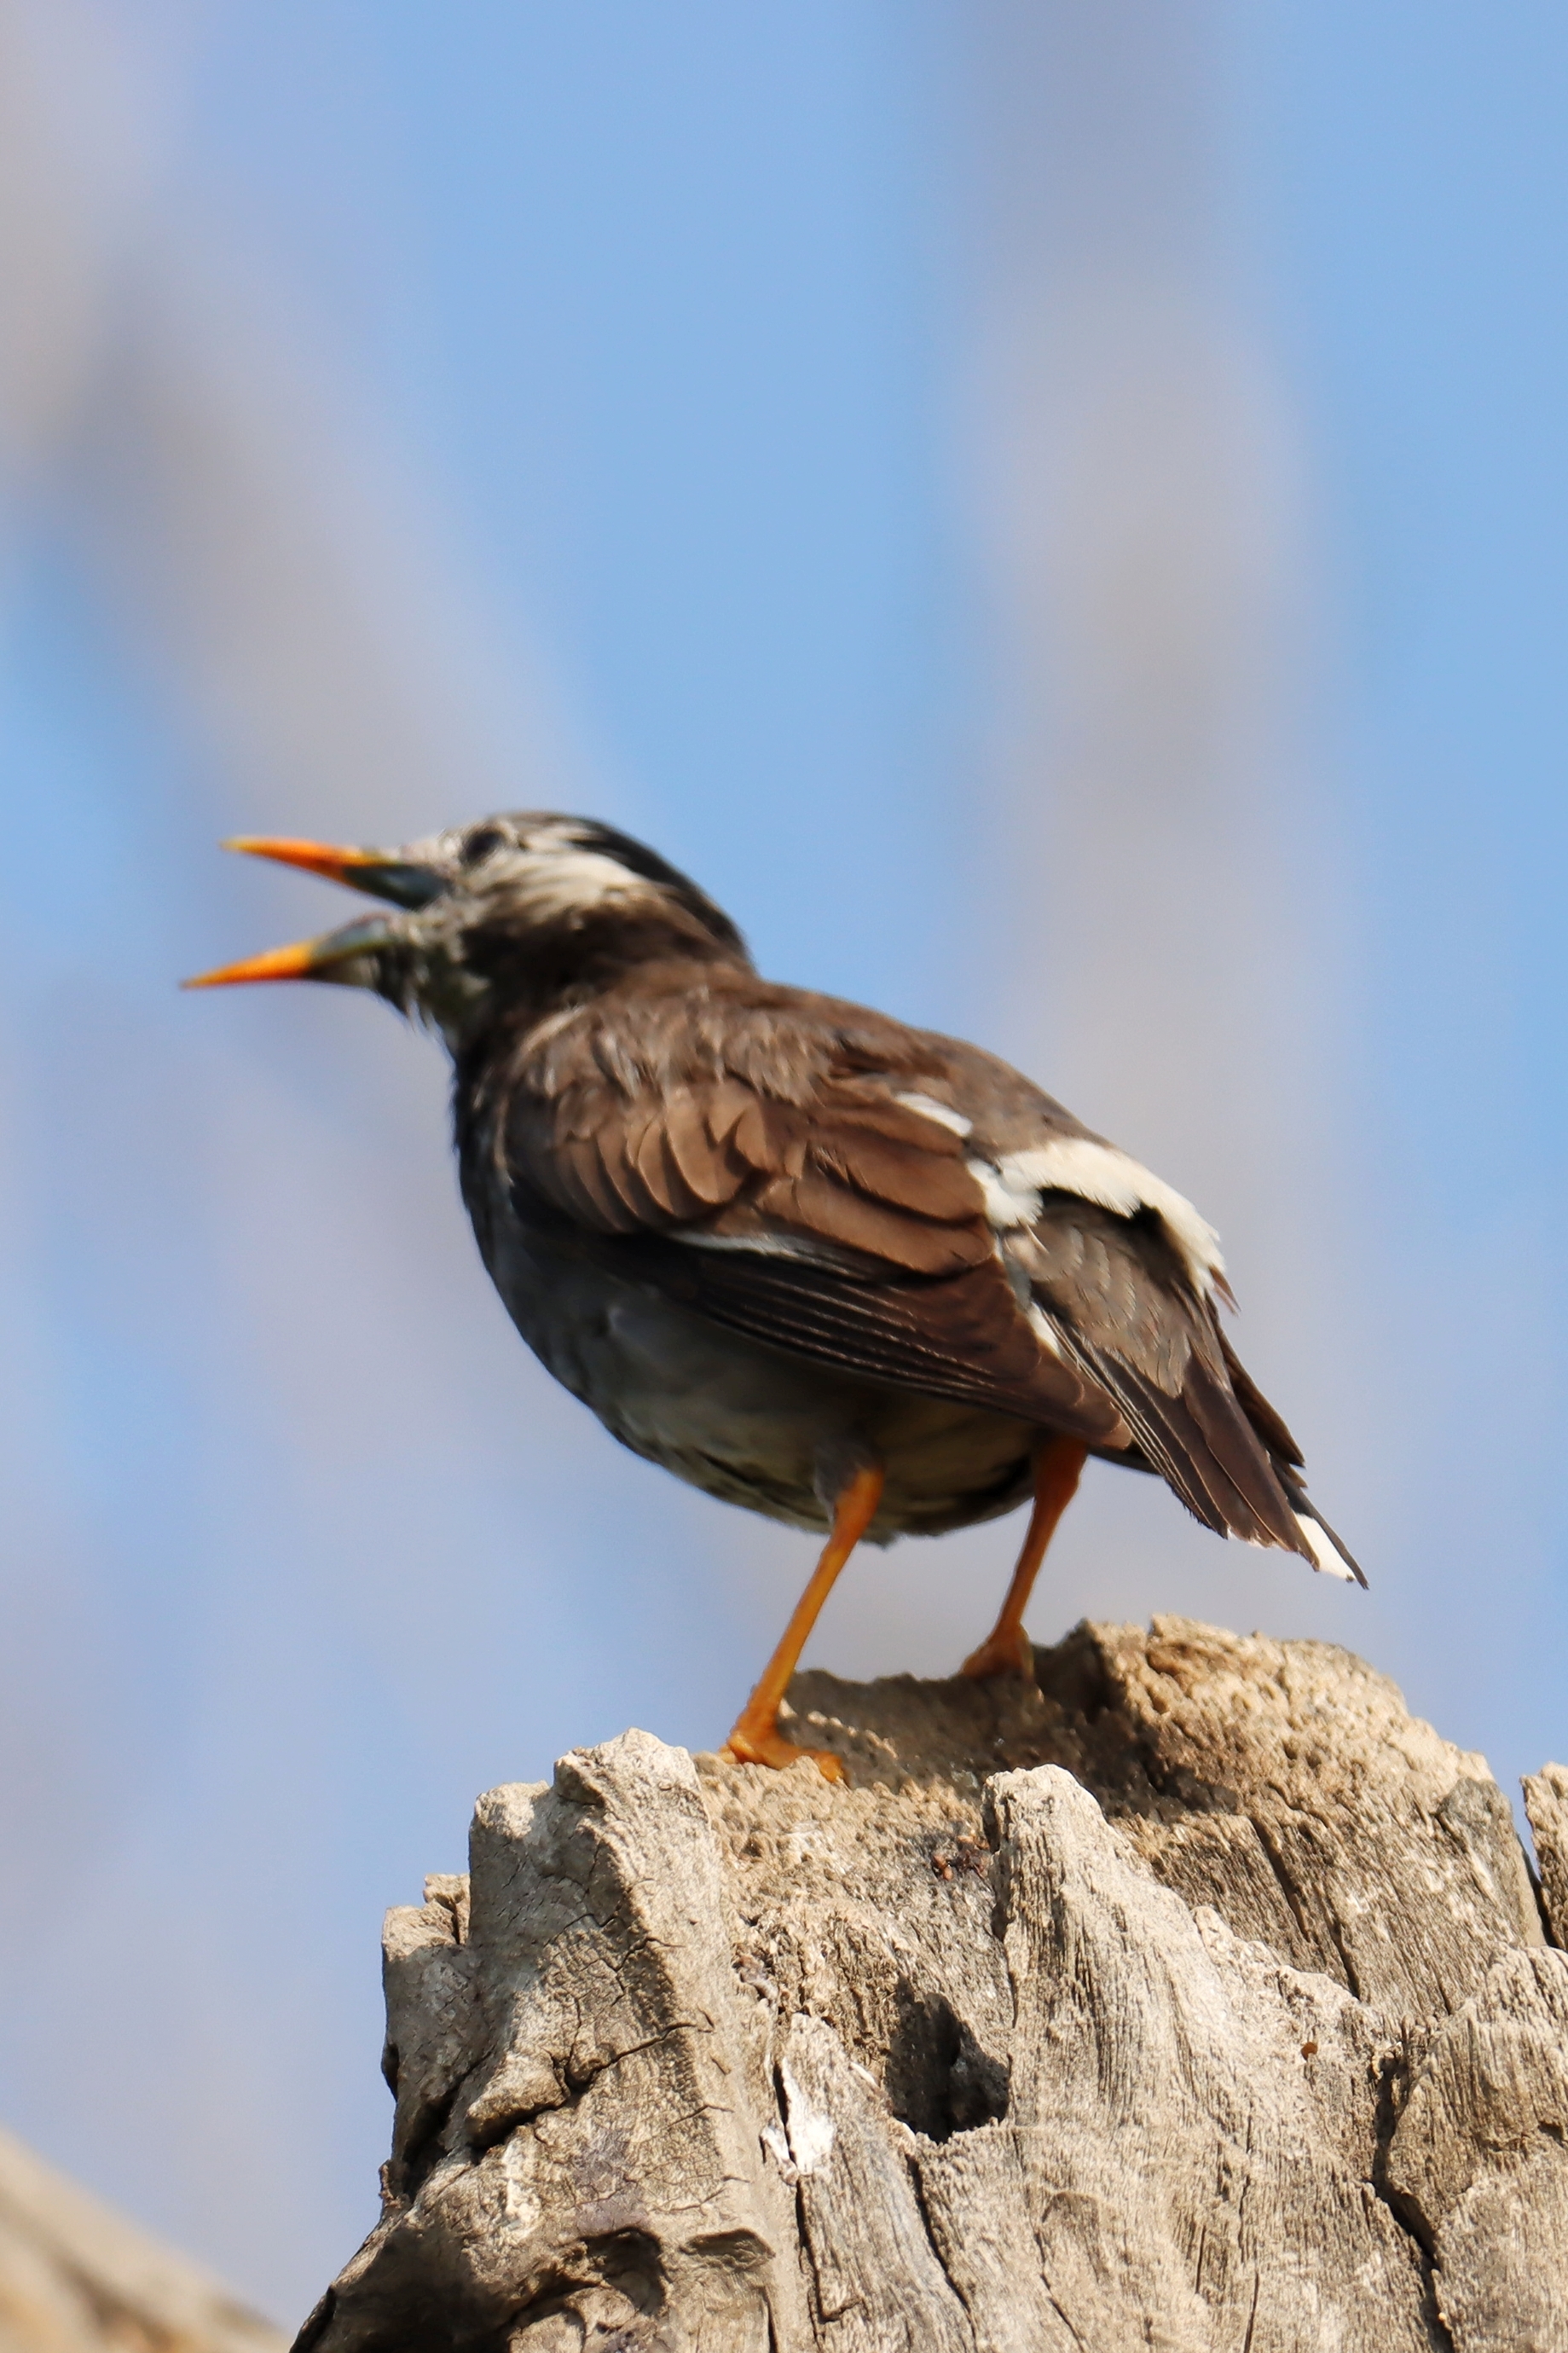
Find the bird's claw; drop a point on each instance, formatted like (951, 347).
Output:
(770, 1748)
(1005, 1652)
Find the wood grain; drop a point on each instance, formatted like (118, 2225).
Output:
(1195, 1997)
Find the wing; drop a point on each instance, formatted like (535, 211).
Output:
(846, 1228)
(1118, 1291)
(901, 1205)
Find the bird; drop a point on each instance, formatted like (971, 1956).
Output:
(855, 1276)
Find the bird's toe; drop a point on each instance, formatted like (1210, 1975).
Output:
(1008, 1651)
(760, 1745)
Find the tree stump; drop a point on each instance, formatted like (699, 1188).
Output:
(1195, 1997)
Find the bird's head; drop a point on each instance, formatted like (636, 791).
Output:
(529, 909)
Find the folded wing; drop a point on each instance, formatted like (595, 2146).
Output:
(873, 1226)
(848, 1230)
(1120, 1297)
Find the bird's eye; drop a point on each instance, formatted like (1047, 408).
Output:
(480, 844)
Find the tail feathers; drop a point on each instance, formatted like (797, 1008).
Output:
(1265, 1420)
(1330, 1553)
(1243, 1455)
(1206, 1445)
(1202, 1446)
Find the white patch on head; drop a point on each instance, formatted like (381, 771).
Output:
(1113, 1180)
(1324, 1557)
(943, 1113)
(568, 881)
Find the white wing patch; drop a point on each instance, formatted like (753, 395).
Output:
(760, 1244)
(1111, 1179)
(1006, 1203)
(1042, 1329)
(943, 1113)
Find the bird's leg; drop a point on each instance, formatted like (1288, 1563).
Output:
(756, 1739)
(1007, 1650)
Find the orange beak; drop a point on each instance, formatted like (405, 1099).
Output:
(322, 959)
(278, 963)
(315, 857)
(383, 874)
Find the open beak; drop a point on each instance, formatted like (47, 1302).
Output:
(384, 874)
(328, 958)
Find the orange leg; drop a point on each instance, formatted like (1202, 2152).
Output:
(1007, 1650)
(756, 1739)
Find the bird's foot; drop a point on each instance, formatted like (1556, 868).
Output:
(765, 1745)
(1007, 1651)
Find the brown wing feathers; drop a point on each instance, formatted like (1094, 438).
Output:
(898, 1275)
(1125, 1311)
(863, 1174)
(697, 1139)
(870, 1176)
(951, 1337)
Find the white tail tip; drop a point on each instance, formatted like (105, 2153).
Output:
(1324, 1557)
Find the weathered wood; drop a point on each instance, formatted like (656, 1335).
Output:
(1546, 1803)
(76, 2277)
(1198, 1997)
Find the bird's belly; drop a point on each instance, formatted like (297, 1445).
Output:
(749, 1423)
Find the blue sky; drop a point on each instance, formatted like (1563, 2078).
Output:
(659, 326)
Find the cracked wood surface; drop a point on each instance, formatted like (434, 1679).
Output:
(1195, 1997)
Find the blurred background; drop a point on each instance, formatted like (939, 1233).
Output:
(1057, 513)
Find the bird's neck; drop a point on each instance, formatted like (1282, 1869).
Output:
(529, 980)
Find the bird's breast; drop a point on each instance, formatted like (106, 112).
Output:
(743, 1422)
